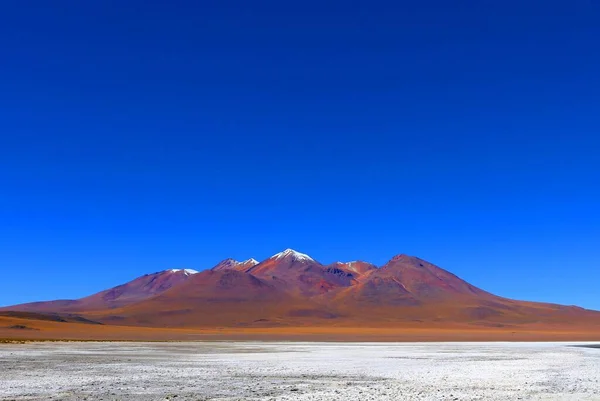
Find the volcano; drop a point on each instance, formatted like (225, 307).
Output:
(293, 289)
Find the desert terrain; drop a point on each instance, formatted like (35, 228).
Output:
(31, 327)
(299, 371)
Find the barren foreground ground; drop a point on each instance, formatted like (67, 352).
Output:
(299, 371)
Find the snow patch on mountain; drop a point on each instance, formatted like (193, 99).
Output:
(297, 256)
(187, 272)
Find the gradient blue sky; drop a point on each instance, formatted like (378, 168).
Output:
(137, 136)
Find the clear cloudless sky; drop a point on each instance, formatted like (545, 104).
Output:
(137, 136)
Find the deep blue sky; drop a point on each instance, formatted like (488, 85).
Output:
(137, 136)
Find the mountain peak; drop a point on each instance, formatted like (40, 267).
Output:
(187, 272)
(232, 264)
(290, 253)
(250, 261)
(404, 260)
(226, 264)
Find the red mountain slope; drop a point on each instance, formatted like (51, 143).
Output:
(411, 289)
(210, 298)
(425, 281)
(134, 291)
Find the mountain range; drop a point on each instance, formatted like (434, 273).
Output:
(293, 289)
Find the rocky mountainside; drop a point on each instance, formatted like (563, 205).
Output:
(292, 288)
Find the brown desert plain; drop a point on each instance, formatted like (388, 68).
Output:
(291, 296)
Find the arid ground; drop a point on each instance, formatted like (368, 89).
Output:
(41, 328)
(299, 371)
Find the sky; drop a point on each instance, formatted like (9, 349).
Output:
(138, 136)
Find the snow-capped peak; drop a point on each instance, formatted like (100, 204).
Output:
(295, 255)
(187, 272)
(250, 261)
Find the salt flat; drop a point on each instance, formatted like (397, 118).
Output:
(299, 371)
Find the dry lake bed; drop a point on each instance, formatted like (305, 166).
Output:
(299, 371)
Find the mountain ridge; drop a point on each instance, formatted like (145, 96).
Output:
(292, 288)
